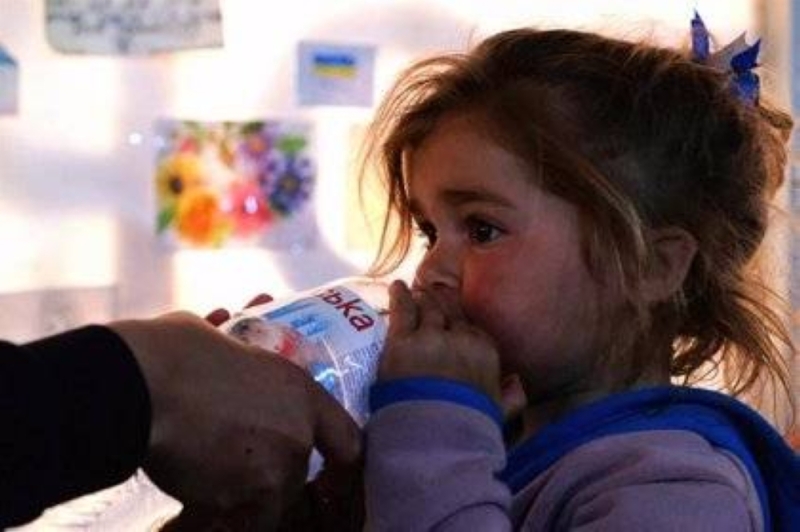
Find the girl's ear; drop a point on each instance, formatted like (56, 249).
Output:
(673, 250)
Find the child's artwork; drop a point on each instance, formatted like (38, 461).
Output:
(9, 83)
(227, 183)
(132, 27)
(335, 74)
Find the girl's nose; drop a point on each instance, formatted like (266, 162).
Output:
(439, 269)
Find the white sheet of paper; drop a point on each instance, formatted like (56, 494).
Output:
(335, 74)
(9, 83)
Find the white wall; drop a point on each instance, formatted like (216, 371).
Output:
(76, 203)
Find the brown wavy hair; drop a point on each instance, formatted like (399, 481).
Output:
(637, 137)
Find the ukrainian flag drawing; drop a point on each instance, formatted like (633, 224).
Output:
(334, 65)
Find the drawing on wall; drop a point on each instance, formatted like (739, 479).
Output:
(133, 27)
(9, 83)
(335, 74)
(234, 183)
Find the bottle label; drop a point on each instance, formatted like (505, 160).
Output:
(333, 333)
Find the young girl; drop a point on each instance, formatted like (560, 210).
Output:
(592, 209)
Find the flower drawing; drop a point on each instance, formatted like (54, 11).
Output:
(247, 209)
(227, 182)
(176, 174)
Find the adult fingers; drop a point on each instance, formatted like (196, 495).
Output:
(336, 435)
(260, 299)
(335, 501)
(218, 316)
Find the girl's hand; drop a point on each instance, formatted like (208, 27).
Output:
(429, 338)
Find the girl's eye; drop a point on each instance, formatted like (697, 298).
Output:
(482, 232)
(426, 231)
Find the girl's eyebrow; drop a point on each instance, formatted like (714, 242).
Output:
(461, 196)
(457, 197)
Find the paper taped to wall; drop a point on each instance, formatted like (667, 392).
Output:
(335, 74)
(9, 83)
(125, 27)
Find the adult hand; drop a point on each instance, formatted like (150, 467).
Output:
(233, 425)
(332, 501)
(219, 316)
(429, 338)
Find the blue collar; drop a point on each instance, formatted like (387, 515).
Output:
(724, 422)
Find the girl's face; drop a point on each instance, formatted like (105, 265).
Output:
(508, 254)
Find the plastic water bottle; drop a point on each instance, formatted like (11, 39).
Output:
(335, 331)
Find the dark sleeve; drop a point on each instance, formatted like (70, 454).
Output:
(74, 418)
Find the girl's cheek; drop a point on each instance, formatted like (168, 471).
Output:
(478, 302)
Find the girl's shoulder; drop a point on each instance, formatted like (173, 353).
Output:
(675, 477)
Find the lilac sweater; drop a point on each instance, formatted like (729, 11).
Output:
(433, 464)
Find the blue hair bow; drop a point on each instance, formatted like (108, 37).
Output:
(738, 58)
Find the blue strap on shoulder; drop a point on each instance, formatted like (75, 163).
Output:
(724, 422)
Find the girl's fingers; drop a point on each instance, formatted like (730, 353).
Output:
(403, 313)
(430, 311)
